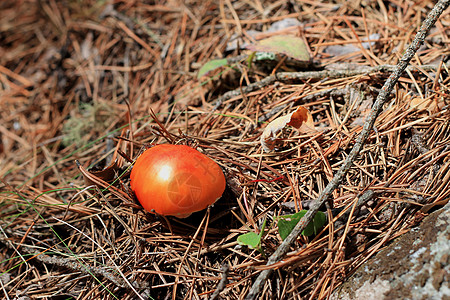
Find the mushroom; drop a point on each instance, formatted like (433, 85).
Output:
(176, 180)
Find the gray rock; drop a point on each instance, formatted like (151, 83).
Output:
(415, 266)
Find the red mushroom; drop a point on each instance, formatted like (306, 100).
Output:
(176, 180)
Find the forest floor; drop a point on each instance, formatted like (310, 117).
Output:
(86, 86)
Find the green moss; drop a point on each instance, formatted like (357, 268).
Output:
(90, 121)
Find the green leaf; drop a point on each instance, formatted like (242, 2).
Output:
(287, 222)
(289, 45)
(250, 239)
(316, 224)
(211, 66)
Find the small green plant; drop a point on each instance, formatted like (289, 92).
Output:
(287, 222)
(252, 239)
(285, 225)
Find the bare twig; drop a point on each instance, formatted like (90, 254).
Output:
(289, 76)
(368, 125)
(222, 283)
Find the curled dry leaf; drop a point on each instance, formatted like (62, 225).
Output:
(108, 174)
(301, 119)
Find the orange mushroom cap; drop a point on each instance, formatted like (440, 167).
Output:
(176, 180)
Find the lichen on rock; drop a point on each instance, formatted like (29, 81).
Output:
(415, 266)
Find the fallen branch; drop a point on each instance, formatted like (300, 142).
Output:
(368, 125)
(289, 76)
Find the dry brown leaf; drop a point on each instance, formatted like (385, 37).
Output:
(430, 104)
(301, 119)
(108, 174)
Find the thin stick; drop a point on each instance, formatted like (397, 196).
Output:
(368, 125)
(289, 76)
(222, 283)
